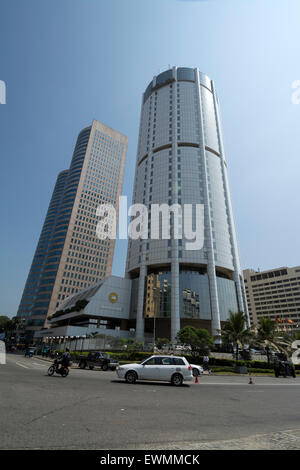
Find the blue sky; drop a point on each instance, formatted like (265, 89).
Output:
(66, 62)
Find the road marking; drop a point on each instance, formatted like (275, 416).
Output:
(42, 361)
(21, 365)
(246, 383)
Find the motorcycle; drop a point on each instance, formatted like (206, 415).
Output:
(59, 369)
(284, 368)
(29, 353)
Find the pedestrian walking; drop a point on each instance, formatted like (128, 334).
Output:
(206, 363)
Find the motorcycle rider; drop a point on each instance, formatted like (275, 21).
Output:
(65, 359)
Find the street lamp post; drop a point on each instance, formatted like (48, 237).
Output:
(155, 290)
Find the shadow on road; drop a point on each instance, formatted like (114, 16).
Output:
(55, 376)
(158, 384)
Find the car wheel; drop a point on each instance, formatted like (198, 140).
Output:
(195, 372)
(131, 377)
(177, 380)
(105, 367)
(82, 365)
(51, 371)
(91, 367)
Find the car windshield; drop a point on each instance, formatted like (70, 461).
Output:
(100, 354)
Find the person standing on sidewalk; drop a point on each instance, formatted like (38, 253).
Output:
(205, 363)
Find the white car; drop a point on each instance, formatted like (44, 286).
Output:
(255, 351)
(196, 369)
(172, 369)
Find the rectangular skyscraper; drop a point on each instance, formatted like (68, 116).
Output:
(274, 294)
(69, 256)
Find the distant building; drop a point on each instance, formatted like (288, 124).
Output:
(69, 257)
(274, 294)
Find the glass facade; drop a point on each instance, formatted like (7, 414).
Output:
(185, 74)
(70, 256)
(227, 297)
(40, 283)
(180, 160)
(194, 295)
(41, 271)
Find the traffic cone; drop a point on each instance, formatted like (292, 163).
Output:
(196, 379)
(251, 382)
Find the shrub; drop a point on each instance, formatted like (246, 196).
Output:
(252, 370)
(79, 305)
(213, 361)
(131, 355)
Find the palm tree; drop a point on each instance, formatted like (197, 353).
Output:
(268, 337)
(235, 331)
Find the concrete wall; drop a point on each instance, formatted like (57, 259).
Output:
(101, 304)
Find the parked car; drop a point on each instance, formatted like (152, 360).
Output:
(172, 369)
(183, 347)
(256, 351)
(196, 369)
(98, 359)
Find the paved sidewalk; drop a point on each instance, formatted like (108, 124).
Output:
(284, 440)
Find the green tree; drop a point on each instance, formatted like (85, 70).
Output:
(205, 339)
(161, 341)
(9, 325)
(196, 338)
(235, 331)
(122, 343)
(4, 323)
(133, 346)
(188, 335)
(267, 336)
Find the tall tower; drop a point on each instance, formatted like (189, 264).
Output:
(69, 256)
(181, 160)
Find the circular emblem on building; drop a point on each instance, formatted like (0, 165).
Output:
(113, 297)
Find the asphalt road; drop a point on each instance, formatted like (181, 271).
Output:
(95, 410)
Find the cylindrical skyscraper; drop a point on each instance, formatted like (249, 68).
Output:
(181, 160)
